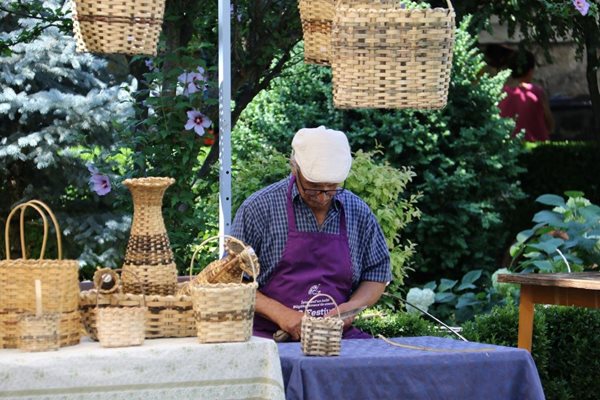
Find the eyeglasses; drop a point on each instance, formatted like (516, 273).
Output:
(316, 192)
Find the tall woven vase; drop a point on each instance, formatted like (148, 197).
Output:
(149, 255)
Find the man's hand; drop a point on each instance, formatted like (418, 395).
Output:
(286, 318)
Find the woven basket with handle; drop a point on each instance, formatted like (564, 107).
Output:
(124, 26)
(321, 336)
(224, 312)
(58, 277)
(386, 56)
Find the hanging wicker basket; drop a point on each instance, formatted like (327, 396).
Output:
(224, 312)
(321, 336)
(121, 326)
(126, 27)
(316, 17)
(58, 277)
(386, 56)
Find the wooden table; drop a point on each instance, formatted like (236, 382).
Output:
(566, 289)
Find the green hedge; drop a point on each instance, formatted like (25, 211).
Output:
(566, 346)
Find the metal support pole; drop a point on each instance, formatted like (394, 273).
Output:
(224, 121)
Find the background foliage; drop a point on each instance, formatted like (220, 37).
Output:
(466, 165)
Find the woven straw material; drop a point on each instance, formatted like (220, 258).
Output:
(384, 56)
(316, 17)
(148, 254)
(224, 312)
(321, 336)
(59, 282)
(166, 316)
(121, 326)
(127, 26)
(39, 333)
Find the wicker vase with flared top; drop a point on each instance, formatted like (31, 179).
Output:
(149, 255)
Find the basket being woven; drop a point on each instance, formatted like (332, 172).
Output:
(58, 277)
(316, 17)
(321, 336)
(387, 56)
(121, 326)
(126, 26)
(224, 312)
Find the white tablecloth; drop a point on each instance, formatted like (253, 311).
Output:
(160, 369)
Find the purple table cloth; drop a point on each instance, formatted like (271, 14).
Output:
(373, 369)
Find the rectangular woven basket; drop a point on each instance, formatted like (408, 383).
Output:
(166, 316)
(126, 26)
(386, 56)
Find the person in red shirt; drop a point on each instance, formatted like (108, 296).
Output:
(526, 102)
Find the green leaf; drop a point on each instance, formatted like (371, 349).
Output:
(446, 284)
(551, 200)
(544, 266)
(467, 299)
(548, 246)
(471, 276)
(550, 218)
(445, 297)
(524, 235)
(574, 193)
(430, 285)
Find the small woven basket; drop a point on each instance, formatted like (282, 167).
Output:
(224, 312)
(39, 331)
(321, 336)
(386, 56)
(316, 17)
(126, 26)
(121, 326)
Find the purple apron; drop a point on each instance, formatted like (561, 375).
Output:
(312, 262)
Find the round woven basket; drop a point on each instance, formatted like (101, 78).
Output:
(126, 26)
(386, 56)
(224, 312)
(321, 336)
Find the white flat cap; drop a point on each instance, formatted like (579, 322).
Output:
(323, 155)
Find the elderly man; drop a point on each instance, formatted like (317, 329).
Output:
(313, 236)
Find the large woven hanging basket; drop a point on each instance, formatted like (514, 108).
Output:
(387, 56)
(316, 17)
(58, 277)
(125, 26)
(224, 312)
(321, 336)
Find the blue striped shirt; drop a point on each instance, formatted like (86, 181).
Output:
(261, 221)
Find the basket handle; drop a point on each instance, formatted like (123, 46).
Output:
(324, 295)
(449, 5)
(38, 206)
(122, 271)
(217, 237)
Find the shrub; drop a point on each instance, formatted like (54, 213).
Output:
(465, 161)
